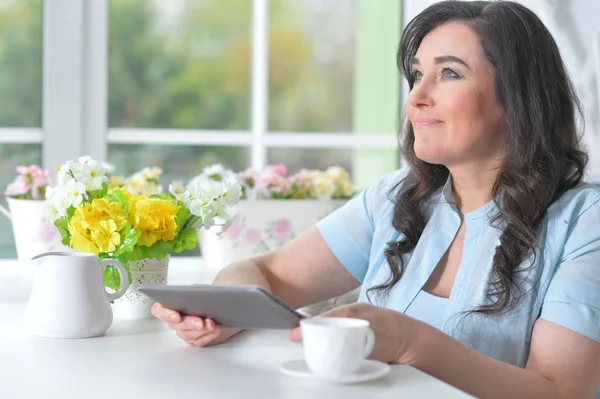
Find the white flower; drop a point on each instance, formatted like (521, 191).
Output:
(144, 182)
(216, 169)
(86, 170)
(232, 191)
(75, 192)
(108, 168)
(58, 201)
(323, 187)
(152, 173)
(63, 197)
(85, 159)
(176, 187)
(337, 173)
(92, 175)
(209, 199)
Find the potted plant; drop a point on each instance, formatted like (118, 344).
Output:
(275, 208)
(33, 230)
(140, 230)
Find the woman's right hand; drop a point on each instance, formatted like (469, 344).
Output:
(193, 330)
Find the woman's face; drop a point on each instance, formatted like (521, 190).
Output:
(452, 106)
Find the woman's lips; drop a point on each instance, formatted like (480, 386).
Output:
(422, 123)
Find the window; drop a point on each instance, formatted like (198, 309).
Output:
(182, 84)
(187, 71)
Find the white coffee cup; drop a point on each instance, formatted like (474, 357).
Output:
(335, 346)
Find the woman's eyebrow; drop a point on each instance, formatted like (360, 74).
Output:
(442, 60)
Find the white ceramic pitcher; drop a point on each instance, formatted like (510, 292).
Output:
(69, 299)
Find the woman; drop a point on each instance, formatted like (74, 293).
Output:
(480, 262)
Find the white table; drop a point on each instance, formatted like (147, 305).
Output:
(144, 359)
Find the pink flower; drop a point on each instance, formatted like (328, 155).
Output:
(282, 228)
(234, 231)
(18, 187)
(253, 236)
(30, 183)
(278, 169)
(22, 170)
(47, 232)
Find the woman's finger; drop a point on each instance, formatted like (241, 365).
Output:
(189, 323)
(188, 335)
(207, 339)
(164, 314)
(296, 335)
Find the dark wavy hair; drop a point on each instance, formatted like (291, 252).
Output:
(543, 155)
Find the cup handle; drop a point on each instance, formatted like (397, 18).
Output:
(122, 274)
(369, 342)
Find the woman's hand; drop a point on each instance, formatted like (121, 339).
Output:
(395, 332)
(193, 330)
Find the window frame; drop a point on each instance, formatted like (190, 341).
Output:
(75, 95)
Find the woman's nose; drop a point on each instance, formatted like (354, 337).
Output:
(421, 94)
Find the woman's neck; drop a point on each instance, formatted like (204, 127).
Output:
(472, 187)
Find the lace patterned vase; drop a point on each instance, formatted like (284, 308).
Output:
(134, 304)
(262, 226)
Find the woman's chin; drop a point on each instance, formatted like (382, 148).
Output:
(429, 157)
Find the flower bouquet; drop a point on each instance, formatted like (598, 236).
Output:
(274, 182)
(31, 183)
(116, 223)
(33, 231)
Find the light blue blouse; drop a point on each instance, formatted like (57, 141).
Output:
(428, 308)
(563, 287)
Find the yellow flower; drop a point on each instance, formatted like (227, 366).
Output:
(105, 236)
(81, 234)
(337, 173)
(323, 187)
(345, 187)
(94, 226)
(104, 210)
(153, 219)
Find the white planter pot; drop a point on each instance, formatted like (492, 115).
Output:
(33, 229)
(134, 304)
(262, 226)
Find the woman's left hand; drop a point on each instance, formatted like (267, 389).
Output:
(395, 332)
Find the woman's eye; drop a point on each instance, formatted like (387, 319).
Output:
(417, 75)
(449, 74)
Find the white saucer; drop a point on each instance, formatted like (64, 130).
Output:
(368, 370)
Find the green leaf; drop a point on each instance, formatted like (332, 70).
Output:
(158, 251)
(167, 197)
(70, 212)
(118, 196)
(129, 238)
(100, 193)
(62, 225)
(187, 240)
(111, 277)
(181, 218)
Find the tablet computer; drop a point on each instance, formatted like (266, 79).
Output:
(239, 306)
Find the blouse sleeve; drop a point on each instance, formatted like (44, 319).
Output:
(349, 230)
(573, 296)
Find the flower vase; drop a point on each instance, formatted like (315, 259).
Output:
(134, 304)
(33, 230)
(262, 226)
